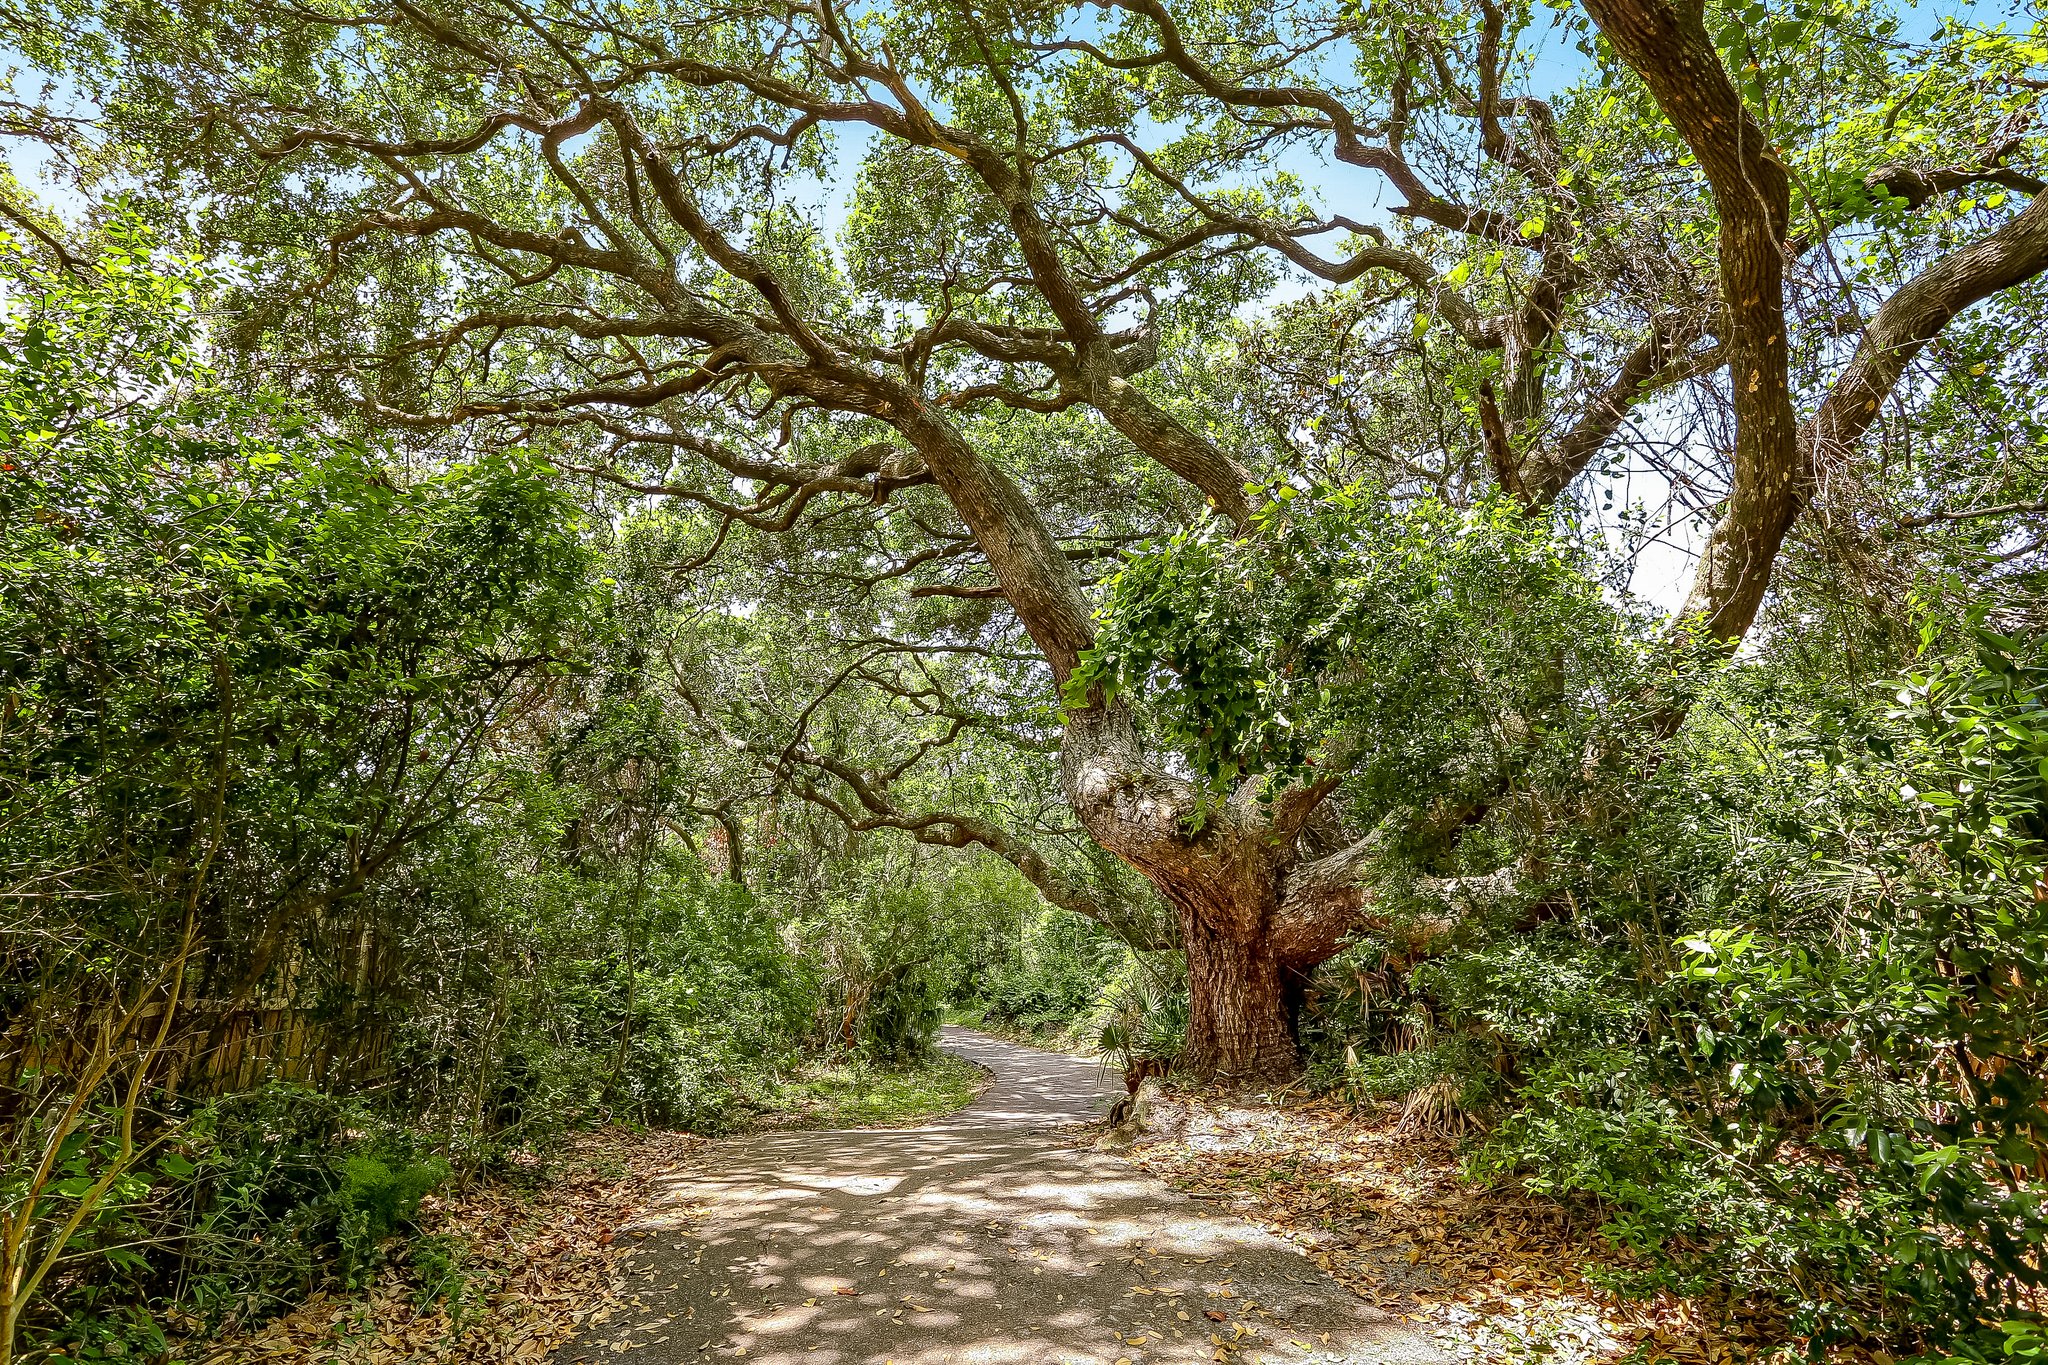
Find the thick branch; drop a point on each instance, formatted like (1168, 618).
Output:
(1324, 901)
(1912, 317)
(1660, 360)
(873, 810)
(1669, 47)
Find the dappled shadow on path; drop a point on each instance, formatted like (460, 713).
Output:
(981, 1238)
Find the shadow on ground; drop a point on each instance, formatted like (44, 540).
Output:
(981, 1238)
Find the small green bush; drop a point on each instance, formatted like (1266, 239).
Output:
(288, 1186)
(901, 1023)
(374, 1201)
(1142, 1012)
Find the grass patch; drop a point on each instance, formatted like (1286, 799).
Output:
(850, 1093)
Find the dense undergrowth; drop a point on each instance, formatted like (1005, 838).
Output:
(370, 832)
(345, 862)
(1778, 1037)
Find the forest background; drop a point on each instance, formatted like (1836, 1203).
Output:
(572, 563)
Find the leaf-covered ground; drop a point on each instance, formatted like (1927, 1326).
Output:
(1386, 1212)
(531, 1263)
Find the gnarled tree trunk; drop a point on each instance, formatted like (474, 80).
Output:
(1239, 1024)
(1254, 907)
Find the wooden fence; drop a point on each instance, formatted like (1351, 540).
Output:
(214, 1049)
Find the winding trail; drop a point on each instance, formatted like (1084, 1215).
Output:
(984, 1237)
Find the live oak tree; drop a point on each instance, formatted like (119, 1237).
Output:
(814, 719)
(948, 289)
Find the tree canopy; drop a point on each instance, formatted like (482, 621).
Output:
(620, 238)
(1214, 465)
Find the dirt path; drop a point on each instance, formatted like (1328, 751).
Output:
(980, 1238)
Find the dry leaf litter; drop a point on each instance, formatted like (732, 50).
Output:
(1386, 1212)
(542, 1263)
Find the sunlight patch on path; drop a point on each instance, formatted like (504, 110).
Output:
(979, 1239)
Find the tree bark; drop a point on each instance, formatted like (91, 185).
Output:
(1239, 1027)
(1670, 49)
(1912, 317)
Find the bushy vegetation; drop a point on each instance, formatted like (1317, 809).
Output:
(1823, 1087)
(602, 564)
(1776, 1016)
(337, 874)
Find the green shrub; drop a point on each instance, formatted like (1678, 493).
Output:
(374, 1201)
(439, 1274)
(901, 1022)
(1458, 1060)
(1053, 973)
(1142, 1012)
(1827, 1093)
(1782, 1031)
(288, 1186)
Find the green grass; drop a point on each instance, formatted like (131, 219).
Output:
(849, 1093)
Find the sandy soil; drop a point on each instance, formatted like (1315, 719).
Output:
(985, 1237)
